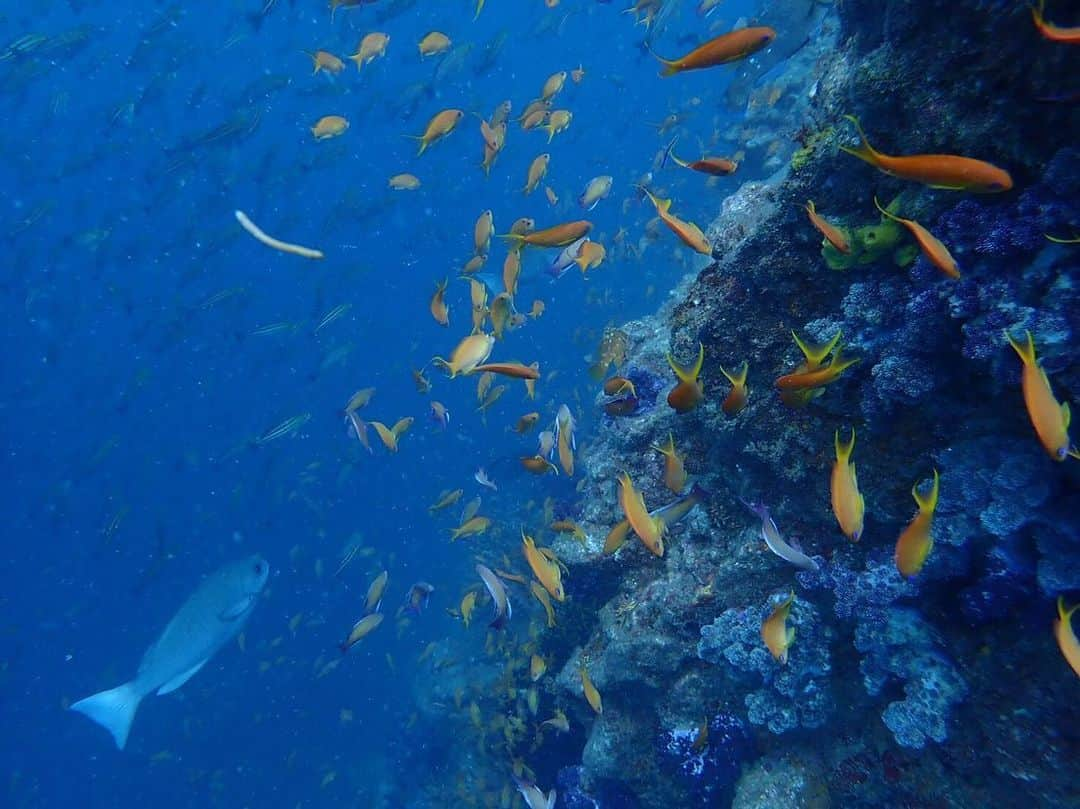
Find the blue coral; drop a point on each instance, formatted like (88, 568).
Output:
(708, 772)
(790, 696)
(865, 594)
(907, 649)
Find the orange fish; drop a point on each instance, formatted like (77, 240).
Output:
(553, 85)
(469, 353)
(1054, 33)
(820, 376)
(324, 60)
(441, 125)
(537, 169)
(949, 172)
(674, 470)
(1049, 418)
(777, 635)
(482, 231)
(688, 233)
(516, 370)
(847, 502)
(439, 309)
(832, 234)
(689, 392)
(720, 50)
(618, 385)
(539, 465)
(329, 126)
(936, 253)
(404, 182)
(1065, 635)
(735, 401)
(371, 47)
(650, 530)
(713, 166)
(434, 43)
(555, 236)
(558, 121)
(915, 542)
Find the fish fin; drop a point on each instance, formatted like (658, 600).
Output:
(928, 502)
(885, 213)
(114, 710)
(668, 448)
(689, 376)
(179, 680)
(739, 377)
(667, 151)
(790, 635)
(810, 206)
(1065, 613)
(551, 799)
(816, 353)
(864, 151)
(1026, 351)
(1066, 415)
(843, 450)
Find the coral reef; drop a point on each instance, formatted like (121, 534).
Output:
(908, 649)
(880, 665)
(796, 694)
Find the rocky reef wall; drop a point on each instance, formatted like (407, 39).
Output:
(881, 668)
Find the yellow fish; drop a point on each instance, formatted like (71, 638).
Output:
(776, 633)
(674, 471)
(1066, 638)
(470, 352)
(915, 542)
(468, 604)
(546, 571)
(474, 527)
(1049, 418)
(650, 530)
(591, 694)
(847, 502)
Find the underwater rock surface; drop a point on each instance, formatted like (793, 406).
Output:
(880, 666)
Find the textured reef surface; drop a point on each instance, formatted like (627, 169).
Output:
(958, 661)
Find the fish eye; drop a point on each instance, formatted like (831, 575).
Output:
(258, 568)
(1061, 453)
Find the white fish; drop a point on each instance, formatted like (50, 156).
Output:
(533, 795)
(482, 478)
(213, 615)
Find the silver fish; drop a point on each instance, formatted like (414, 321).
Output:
(213, 615)
(533, 795)
(495, 589)
(771, 534)
(565, 260)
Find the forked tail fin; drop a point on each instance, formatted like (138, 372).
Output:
(114, 710)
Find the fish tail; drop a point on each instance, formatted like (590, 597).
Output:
(864, 151)
(927, 502)
(815, 354)
(668, 66)
(843, 450)
(114, 710)
(1026, 351)
(885, 212)
(810, 206)
(668, 448)
(841, 363)
(667, 151)
(1065, 613)
(739, 377)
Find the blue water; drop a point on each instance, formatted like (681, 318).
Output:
(133, 393)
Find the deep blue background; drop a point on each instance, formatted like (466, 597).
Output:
(127, 398)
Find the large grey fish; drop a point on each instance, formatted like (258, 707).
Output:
(213, 615)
